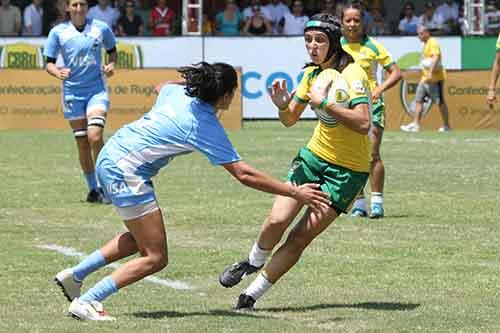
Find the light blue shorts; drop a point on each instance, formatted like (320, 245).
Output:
(123, 188)
(76, 106)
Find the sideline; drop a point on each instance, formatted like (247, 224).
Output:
(71, 252)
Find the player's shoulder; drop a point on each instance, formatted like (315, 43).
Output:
(354, 71)
(374, 45)
(101, 25)
(433, 41)
(59, 28)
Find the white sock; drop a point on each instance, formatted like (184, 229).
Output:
(377, 198)
(258, 287)
(257, 257)
(360, 203)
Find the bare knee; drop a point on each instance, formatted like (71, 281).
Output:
(95, 138)
(277, 224)
(156, 262)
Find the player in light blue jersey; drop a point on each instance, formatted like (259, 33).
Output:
(183, 120)
(85, 97)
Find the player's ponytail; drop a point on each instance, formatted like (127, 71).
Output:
(209, 82)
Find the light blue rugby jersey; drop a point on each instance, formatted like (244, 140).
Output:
(81, 52)
(177, 124)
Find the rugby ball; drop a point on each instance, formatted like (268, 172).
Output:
(339, 89)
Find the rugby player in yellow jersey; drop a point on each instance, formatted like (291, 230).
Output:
(369, 53)
(495, 71)
(431, 84)
(337, 157)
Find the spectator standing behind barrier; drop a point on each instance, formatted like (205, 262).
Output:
(409, 21)
(448, 10)
(207, 26)
(228, 22)
(432, 20)
(332, 7)
(431, 84)
(33, 18)
(278, 10)
(257, 24)
(495, 71)
(10, 19)
(162, 19)
(59, 13)
(104, 12)
(248, 11)
(143, 9)
(129, 23)
(379, 26)
(294, 23)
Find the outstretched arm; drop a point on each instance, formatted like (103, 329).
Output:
(247, 175)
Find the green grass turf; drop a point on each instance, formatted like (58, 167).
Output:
(432, 265)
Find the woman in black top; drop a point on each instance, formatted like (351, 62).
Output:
(257, 24)
(130, 24)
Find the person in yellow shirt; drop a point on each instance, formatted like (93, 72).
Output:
(337, 156)
(495, 71)
(431, 84)
(369, 53)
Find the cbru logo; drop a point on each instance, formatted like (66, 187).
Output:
(251, 79)
(21, 56)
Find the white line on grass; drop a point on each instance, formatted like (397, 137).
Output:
(71, 252)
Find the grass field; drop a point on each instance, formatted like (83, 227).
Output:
(432, 265)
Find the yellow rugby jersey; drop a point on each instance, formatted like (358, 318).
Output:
(498, 43)
(431, 48)
(332, 141)
(368, 53)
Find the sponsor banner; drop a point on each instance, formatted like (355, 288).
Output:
(478, 52)
(32, 99)
(262, 59)
(465, 94)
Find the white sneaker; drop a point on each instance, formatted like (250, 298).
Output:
(88, 311)
(411, 127)
(443, 129)
(70, 287)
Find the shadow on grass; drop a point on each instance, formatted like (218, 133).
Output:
(384, 306)
(177, 314)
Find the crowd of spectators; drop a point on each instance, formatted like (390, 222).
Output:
(236, 17)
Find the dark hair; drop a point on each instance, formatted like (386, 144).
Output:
(331, 26)
(354, 4)
(209, 82)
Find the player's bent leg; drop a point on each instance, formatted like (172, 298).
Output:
(148, 231)
(310, 225)
(150, 236)
(283, 212)
(377, 175)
